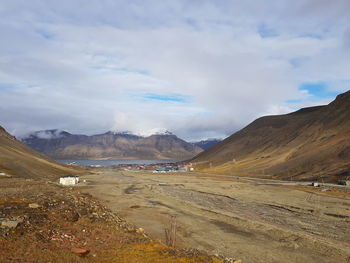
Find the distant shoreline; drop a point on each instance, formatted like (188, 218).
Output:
(113, 162)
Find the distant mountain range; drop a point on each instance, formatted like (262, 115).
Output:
(19, 160)
(309, 144)
(206, 144)
(111, 145)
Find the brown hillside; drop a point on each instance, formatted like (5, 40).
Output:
(17, 159)
(308, 144)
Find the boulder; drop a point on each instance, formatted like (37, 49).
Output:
(10, 223)
(33, 205)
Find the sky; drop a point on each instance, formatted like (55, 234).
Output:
(200, 69)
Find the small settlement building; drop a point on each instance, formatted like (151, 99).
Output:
(69, 180)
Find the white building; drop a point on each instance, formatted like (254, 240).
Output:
(69, 180)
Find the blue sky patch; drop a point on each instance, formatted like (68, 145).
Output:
(319, 90)
(313, 91)
(166, 98)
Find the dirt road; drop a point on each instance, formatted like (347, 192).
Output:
(253, 221)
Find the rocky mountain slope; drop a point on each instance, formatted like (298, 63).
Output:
(206, 144)
(309, 144)
(63, 145)
(17, 159)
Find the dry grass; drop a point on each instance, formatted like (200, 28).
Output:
(321, 190)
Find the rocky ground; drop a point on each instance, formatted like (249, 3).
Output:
(43, 222)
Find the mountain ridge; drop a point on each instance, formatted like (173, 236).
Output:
(113, 145)
(311, 143)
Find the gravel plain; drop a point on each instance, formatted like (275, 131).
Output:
(256, 221)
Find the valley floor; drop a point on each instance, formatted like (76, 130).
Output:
(254, 220)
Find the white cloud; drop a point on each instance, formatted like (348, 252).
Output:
(86, 71)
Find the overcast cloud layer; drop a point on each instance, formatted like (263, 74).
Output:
(197, 68)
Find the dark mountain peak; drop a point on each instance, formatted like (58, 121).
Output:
(206, 144)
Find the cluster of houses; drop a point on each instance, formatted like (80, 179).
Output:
(159, 167)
